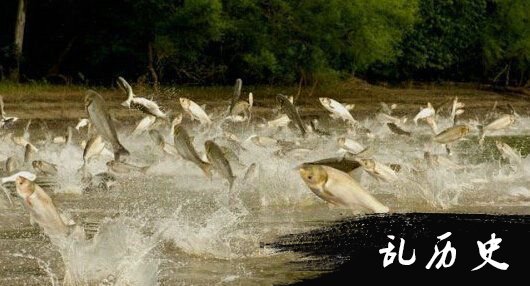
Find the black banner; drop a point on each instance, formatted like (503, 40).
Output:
(477, 246)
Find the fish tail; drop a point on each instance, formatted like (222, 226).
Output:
(120, 151)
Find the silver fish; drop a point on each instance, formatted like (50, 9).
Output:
(291, 111)
(44, 167)
(394, 128)
(263, 141)
(12, 165)
(424, 113)
(145, 105)
(29, 154)
(40, 206)
(378, 170)
(144, 125)
(159, 140)
(338, 188)
(94, 147)
(236, 95)
(452, 134)
(100, 118)
(350, 145)
(218, 160)
(499, 123)
(187, 151)
(124, 168)
(241, 107)
(100, 182)
(508, 153)
(5, 121)
(281, 121)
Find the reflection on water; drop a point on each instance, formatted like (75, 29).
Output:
(173, 226)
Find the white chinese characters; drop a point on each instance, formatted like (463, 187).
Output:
(390, 256)
(445, 257)
(486, 251)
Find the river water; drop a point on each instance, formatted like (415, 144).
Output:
(173, 226)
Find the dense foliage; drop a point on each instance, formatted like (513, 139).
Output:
(270, 41)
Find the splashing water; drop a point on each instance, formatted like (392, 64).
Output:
(175, 226)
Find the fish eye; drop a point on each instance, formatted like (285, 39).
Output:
(309, 177)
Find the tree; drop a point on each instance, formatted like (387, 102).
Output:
(19, 39)
(445, 41)
(507, 41)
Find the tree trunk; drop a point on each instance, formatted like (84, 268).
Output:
(19, 39)
(150, 65)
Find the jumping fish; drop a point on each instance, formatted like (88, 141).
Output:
(350, 145)
(29, 154)
(281, 121)
(5, 121)
(12, 165)
(40, 206)
(82, 123)
(497, 124)
(263, 141)
(394, 128)
(45, 168)
(378, 170)
(456, 109)
(339, 189)
(100, 118)
(432, 124)
(145, 105)
(94, 147)
(337, 110)
(508, 153)
(187, 151)
(125, 168)
(236, 95)
(219, 162)
(159, 140)
(385, 118)
(424, 113)
(195, 111)
(144, 125)
(441, 161)
(451, 134)
(290, 110)
(21, 141)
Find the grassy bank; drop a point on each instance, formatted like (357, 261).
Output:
(56, 101)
